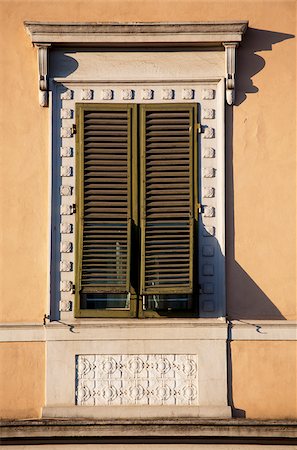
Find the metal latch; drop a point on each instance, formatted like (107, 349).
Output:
(73, 129)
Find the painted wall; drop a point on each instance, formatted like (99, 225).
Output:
(22, 375)
(261, 182)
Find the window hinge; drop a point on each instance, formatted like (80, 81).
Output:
(73, 129)
(199, 208)
(73, 289)
(73, 208)
(198, 128)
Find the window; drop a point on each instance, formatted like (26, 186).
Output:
(136, 221)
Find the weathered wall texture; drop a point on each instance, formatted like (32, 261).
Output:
(21, 379)
(261, 185)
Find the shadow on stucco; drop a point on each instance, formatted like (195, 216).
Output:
(249, 63)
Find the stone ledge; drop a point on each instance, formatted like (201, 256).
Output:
(150, 428)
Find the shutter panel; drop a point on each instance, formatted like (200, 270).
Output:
(105, 200)
(167, 199)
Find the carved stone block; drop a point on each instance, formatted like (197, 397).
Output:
(208, 172)
(66, 132)
(66, 247)
(66, 151)
(87, 94)
(65, 305)
(66, 228)
(209, 133)
(208, 270)
(106, 94)
(66, 171)
(65, 266)
(208, 250)
(66, 190)
(168, 94)
(66, 210)
(127, 94)
(66, 286)
(137, 380)
(208, 192)
(67, 95)
(147, 94)
(209, 211)
(209, 152)
(188, 94)
(208, 113)
(208, 94)
(66, 113)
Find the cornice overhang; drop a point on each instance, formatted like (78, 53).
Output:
(227, 35)
(90, 33)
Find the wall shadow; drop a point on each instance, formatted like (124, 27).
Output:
(249, 63)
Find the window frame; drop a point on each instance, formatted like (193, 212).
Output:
(136, 166)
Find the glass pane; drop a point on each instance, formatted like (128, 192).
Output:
(104, 301)
(169, 302)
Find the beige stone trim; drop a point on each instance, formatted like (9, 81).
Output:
(135, 33)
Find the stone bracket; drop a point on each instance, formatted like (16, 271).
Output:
(230, 64)
(42, 55)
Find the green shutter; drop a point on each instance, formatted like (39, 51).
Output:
(104, 198)
(167, 198)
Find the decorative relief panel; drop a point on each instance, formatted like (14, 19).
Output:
(66, 227)
(65, 305)
(208, 113)
(65, 266)
(66, 132)
(127, 94)
(65, 190)
(67, 95)
(136, 380)
(66, 151)
(209, 152)
(167, 94)
(66, 286)
(66, 113)
(87, 94)
(208, 94)
(147, 94)
(209, 133)
(188, 94)
(66, 210)
(66, 171)
(106, 94)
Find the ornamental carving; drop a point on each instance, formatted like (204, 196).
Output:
(188, 94)
(66, 227)
(147, 94)
(65, 305)
(66, 132)
(209, 211)
(136, 380)
(66, 210)
(87, 94)
(168, 94)
(209, 133)
(208, 172)
(66, 151)
(66, 286)
(106, 94)
(65, 190)
(208, 113)
(66, 113)
(67, 95)
(66, 171)
(207, 250)
(65, 266)
(209, 152)
(127, 94)
(208, 192)
(66, 247)
(208, 94)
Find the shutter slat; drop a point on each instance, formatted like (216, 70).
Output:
(105, 259)
(167, 202)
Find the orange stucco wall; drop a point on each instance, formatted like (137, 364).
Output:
(261, 186)
(21, 379)
(264, 379)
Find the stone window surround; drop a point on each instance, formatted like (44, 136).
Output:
(209, 342)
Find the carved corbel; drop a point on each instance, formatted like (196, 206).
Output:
(42, 54)
(230, 52)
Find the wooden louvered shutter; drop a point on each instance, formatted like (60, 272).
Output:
(167, 210)
(104, 163)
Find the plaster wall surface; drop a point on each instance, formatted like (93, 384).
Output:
(261, 186)
(22, 376)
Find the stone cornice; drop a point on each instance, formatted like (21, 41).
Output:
(90, 33)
